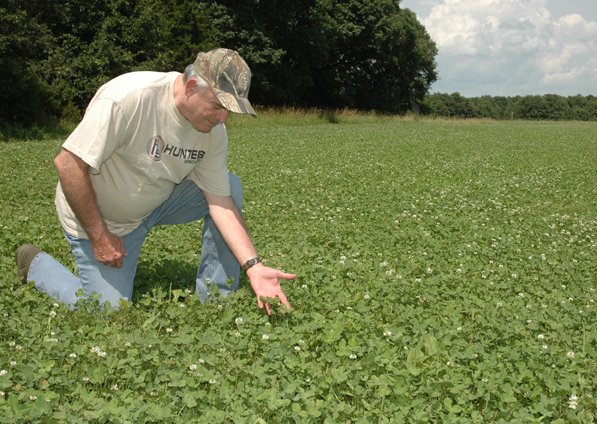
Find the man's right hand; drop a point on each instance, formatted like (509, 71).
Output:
(108, 249)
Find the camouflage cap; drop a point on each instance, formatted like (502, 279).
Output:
(229, 76)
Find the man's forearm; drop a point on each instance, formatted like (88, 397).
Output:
(231, 225)
(79, 193)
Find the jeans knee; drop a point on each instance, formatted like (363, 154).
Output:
(236, 189)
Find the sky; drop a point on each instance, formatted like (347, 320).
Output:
(512, 47)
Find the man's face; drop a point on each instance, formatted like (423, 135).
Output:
(204, 109)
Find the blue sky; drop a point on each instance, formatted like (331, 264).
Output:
(512, 47)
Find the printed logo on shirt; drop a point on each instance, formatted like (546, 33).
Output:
(157, 147)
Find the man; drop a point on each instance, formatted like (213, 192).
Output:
(152, 150)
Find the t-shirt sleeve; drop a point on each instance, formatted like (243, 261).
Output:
(211, 172)
(99, 133)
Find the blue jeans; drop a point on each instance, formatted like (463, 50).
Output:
(218, 267)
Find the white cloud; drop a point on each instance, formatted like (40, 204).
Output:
(509, 47)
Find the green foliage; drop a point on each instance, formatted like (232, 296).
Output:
(446, 274)
(539, 108)
(369, 55)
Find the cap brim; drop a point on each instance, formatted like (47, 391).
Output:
(234, 104)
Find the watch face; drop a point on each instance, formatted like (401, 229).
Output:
(250, 263)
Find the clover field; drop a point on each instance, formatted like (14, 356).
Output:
(447, 273)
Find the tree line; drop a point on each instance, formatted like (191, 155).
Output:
(356, 54)
(538, 107)
(360, 54)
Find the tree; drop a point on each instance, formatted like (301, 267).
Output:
(333, 53)
(23, 41)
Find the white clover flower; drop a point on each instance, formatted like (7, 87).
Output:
(297, 348)
(127, 344)
(304, 286)
(499, 304)
(52, 314)
(541, 337)
(544, 347)
(72, 355)
(1, 394)
(366, 296)
(239, 321)
(193, 367)
(169, 330)
(12, 364)
(85, 379)
(213, 381)
(265, 337)
(387, 333)
(458, 328)
(201, 361)
(11, 344)
(570, 355)
(383, 264)
(3, 372)
(353, 356)
(32, 397)
(429, 271)
(301, 342)
(573, 402)
(55, 305)
(114, 387)
(237, 333)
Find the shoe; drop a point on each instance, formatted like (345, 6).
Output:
(25, 255)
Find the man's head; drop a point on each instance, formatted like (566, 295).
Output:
(227, 74)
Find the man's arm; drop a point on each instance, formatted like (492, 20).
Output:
(231, 225)
(76, 185)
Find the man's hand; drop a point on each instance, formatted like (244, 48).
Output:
(265, 283)
(109, 250)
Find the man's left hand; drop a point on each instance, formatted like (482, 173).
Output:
(265, 283)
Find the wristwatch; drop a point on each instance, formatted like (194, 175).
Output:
(250, 263)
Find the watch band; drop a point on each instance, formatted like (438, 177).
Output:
(250, 263)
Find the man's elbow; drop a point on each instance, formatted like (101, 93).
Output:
(66, 161)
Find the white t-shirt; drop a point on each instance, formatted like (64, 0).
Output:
(138, 147)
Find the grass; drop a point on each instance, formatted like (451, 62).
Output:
(446, 274)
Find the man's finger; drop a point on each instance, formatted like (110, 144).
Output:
(287, 276)
(283, 299)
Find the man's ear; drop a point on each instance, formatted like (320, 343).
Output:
(190, 87)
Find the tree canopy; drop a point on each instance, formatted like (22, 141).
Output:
(369, 54)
